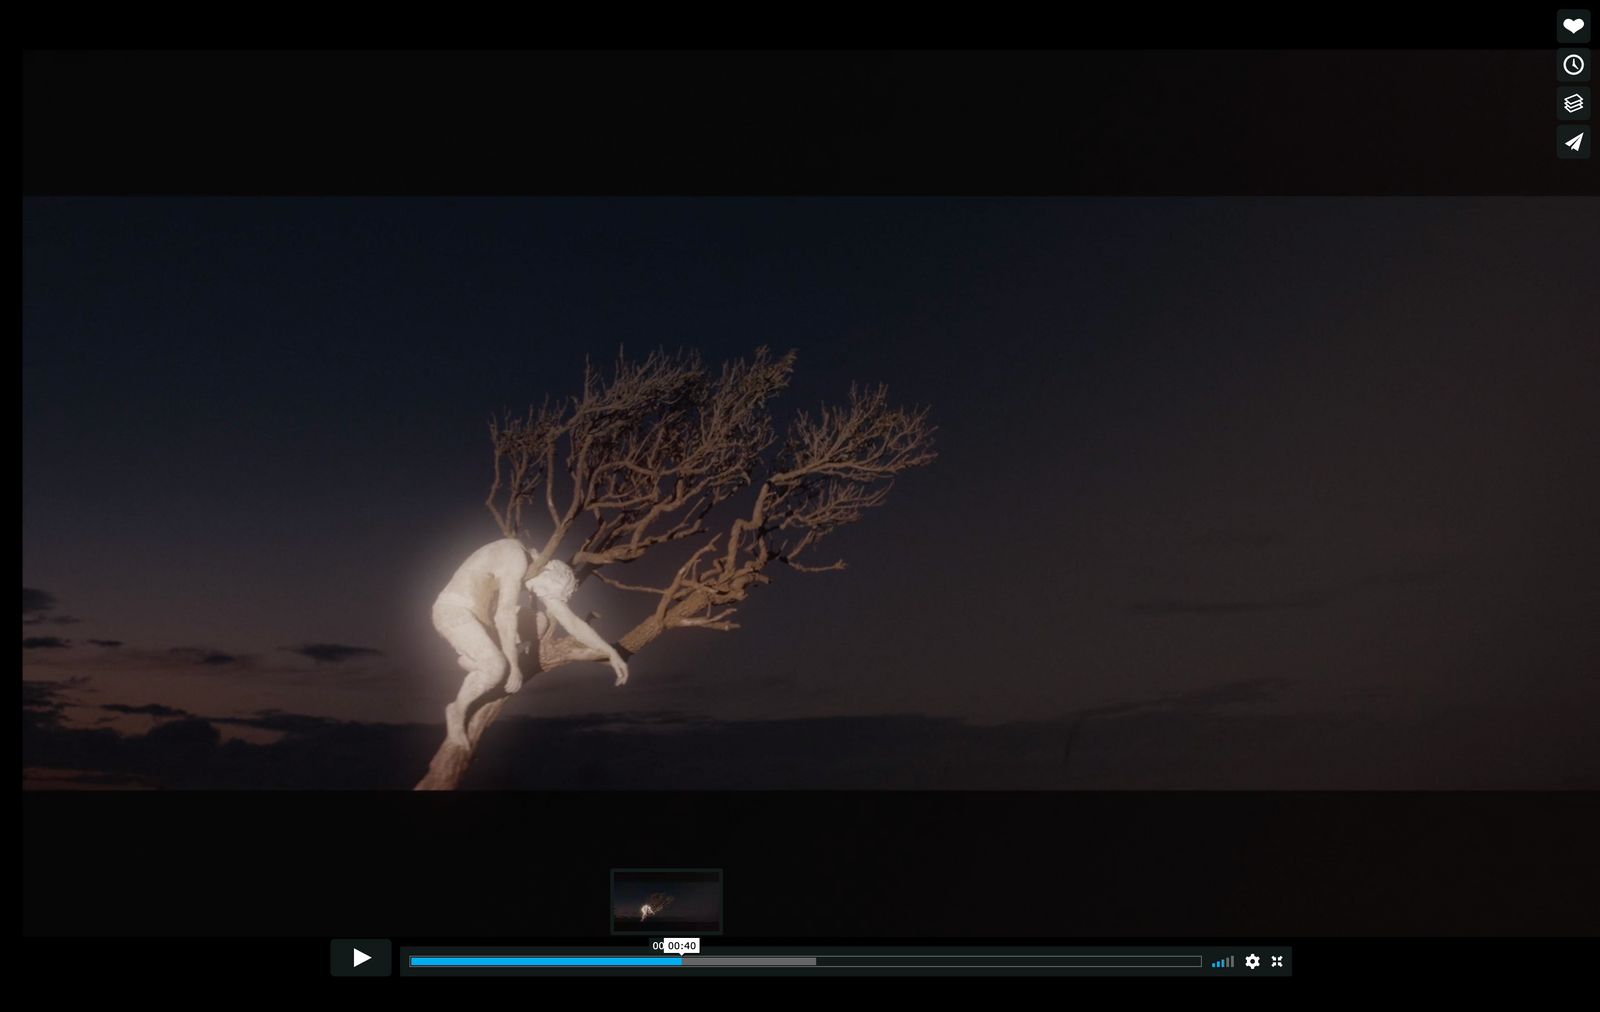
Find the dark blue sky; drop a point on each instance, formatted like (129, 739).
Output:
(1341, 445)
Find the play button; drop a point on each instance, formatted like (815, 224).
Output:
(360, 957)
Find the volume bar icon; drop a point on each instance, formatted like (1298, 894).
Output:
(1225, 963)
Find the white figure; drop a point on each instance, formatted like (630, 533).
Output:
(657, 903)
(484, 595)
(554, 587)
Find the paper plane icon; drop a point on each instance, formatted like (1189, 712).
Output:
(1576, 142)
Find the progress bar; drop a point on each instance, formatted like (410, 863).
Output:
(613, 961)
(1078, 962)
(546, 961)
(858, 959)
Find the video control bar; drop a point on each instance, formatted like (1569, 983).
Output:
(372, 957)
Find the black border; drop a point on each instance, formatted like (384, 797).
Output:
(848, 865)
(1377, 118)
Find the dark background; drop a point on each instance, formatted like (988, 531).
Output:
(1388, 115)
(820, 865)
(366, 865)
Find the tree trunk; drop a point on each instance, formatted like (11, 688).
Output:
(450, 762)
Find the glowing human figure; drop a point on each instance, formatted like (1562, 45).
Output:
(654, 905)
(483, 595)
(554, 586)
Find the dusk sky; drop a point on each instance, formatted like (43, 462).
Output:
(1240, 492)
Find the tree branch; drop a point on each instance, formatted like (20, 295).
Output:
(650, 451)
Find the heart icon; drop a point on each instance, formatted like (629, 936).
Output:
(1573, 25)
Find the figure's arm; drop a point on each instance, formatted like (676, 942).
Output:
(584, 633)
(505, 617)
(505, 623)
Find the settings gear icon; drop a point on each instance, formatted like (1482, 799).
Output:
(1252, 961)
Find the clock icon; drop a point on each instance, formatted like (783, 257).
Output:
(1574, 64)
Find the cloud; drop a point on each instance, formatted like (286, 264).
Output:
(107, 643)
(35, 600)
(333, 653)
(148, 709)
(189, 752)
(45, 643)
(40, 618)
(1191, 741)
(37, 605)
(648, 751)
(190, 734)
(653, 751)
(43, 700)
(41, 703)
(203, 655)
(277, 720)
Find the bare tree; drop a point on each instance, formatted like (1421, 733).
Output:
(642, 458)
(654, 905)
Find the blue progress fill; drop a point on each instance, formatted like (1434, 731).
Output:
(546, 960)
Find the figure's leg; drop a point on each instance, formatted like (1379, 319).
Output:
(486, 669)
(475, 686)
